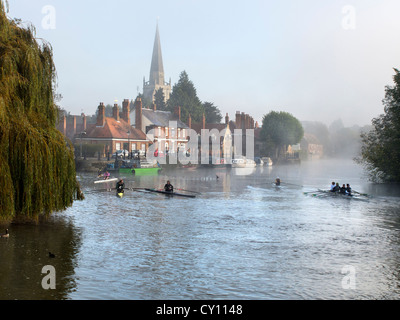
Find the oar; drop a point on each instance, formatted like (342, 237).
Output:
(188, 191)
(361, 194)
(292, 184)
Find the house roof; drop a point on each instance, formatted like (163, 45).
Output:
(162, 118)
(209, 126)
(114, 129)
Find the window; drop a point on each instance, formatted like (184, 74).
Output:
(166, 131)
(118, 146)
(133, 146)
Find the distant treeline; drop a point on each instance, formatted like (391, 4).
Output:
(338, 141)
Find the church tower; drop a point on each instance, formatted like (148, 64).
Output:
(157, 77)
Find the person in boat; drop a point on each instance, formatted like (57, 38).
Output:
(343, 189)
(120, 186)
(169, 187)
(333, 185)
(278, 182)
(348, 190)
(106, 175)
(336, 188)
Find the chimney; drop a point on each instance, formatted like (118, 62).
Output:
(74, 124)
(101, 115)
(238, 120)
(190, 122)
(138, 113)
(204, 121)
(256, 126)
(154, 107)
(65, 125)
(83, 122)
(178, 112)
(126, 110)
(116, 112)
(227, 119)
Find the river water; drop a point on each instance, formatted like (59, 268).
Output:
(241, 238)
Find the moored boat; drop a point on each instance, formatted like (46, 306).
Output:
(106, 181)
(243, 163)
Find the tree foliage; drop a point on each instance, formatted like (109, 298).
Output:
(184, 95)
(159, 100)
(37, 168)
(213, 114)
(380, 151)
(281, 129)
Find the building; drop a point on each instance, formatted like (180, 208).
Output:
(161, 127)
(72, 125)
(157, 76)
(114, 133)
(313, 148)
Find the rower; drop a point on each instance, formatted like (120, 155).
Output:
(278, 182)
(348, 189)
(120, 187)
(107, 175)
(343, 189)
(333, 185)
(336, 188)
(169, 187)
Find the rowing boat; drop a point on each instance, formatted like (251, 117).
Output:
(105, 181)
(171, 193)
(325, 193)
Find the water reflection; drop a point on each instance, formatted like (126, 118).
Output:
(242, 238)
(26, 252)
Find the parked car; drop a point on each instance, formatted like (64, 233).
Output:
(259, 161)
(121, 154)
(267, 161)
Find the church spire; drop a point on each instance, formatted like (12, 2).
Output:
(157, 66)
(157, 77)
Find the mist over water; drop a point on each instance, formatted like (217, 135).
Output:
(242, 238)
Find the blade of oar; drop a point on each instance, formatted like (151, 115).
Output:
(188, 191)
(361, 194)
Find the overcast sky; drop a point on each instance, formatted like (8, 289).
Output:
(319, 60)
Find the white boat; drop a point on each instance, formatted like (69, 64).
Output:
(243, 163)
(105, 181)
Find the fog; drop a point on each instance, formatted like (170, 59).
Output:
(320, 61)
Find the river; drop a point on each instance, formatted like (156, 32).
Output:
(241, 238)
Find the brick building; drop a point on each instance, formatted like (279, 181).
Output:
(115, 133)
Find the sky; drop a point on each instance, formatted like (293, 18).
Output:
(318, 60)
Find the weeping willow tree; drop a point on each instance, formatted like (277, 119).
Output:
(37, 169)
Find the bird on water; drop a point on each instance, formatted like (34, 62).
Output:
(6, 235)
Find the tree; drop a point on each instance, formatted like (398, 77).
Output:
(184, 95)
(159, 100)
(146, 102)
(279, 130)
(36, 162)
(213, 114)
(380, 150)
